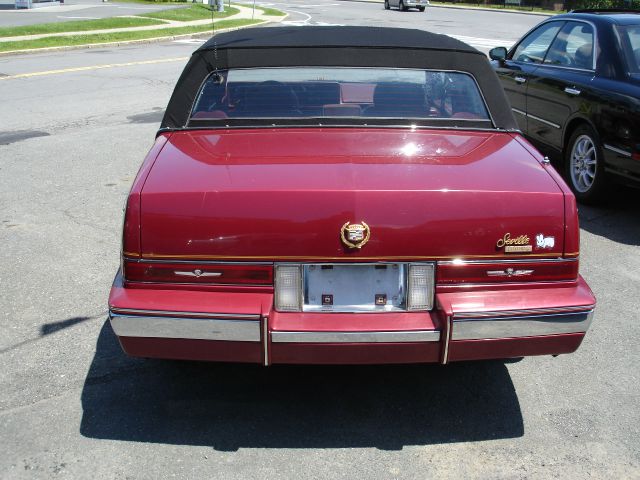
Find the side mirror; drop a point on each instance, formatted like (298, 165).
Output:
(498, 53)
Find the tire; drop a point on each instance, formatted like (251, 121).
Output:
(386, 5)
(401, 7)
(584, 165)
(421, 9)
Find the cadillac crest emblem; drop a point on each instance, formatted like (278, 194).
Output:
(355, 235)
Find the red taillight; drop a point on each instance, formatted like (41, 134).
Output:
(451, 273)
(219, 274)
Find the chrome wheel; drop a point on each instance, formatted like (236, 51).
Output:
(583, 163)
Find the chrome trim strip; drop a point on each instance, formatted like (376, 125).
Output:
(524, 313)
(563, 67)
(265, 340)
(311, 259)
(542, 120)
(164, 313)
(619, 151)
(527, 326)
(356, 337)
(518, 111)
(507, 260)
(195, 274)
(509, 274)
(185, 328)
(193, 261)
(447, 340)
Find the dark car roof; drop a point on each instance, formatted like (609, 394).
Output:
(376, 47)
(604, 16)
(331, 36)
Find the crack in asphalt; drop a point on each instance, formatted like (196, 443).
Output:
(82, 223)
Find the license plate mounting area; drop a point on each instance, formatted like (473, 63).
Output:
(362, 287)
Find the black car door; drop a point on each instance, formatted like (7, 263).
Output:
(561, 86)
(521, 62)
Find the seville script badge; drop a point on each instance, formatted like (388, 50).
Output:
(355, 235)
(520, 244)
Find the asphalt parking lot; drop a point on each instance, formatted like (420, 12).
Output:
(73, 406)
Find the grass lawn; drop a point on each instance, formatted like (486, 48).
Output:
(118, 36)
(196, 11)
(77, 26)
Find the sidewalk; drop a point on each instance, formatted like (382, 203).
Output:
(244, 13)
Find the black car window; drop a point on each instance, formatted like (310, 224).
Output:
(289, 92)
(534, 46)
(572, 47)
(630, 40)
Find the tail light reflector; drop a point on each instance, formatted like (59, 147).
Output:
(221, 274)
(288, 288)
(460, 272)
(420, 286)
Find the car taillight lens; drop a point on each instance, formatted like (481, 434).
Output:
(221, 274)
(460, 272)
(420, 286)
(288, 288)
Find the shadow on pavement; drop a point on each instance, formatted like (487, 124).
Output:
(618, 219)
(229, 407)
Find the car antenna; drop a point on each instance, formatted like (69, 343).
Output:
(216, 76)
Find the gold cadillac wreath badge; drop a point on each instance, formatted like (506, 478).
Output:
(355, 235)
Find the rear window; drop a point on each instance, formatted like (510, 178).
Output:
(321, 92)
(630, 40)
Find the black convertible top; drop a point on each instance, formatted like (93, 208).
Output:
(365, 37)
(334, 46)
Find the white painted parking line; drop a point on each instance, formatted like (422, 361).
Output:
(93, 67)
(484, 42)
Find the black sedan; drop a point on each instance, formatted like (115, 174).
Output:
(573, 83)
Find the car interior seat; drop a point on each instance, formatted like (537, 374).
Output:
(398, 100)
(269, 99)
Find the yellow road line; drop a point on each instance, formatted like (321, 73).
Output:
(93, 67)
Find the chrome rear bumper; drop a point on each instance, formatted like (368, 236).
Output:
(356, 337)
(477, 327)
(149, 324)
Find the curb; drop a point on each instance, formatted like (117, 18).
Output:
(496, 10)
(472, 9)
(131, 42)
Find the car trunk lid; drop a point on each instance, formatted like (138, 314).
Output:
(278, 194)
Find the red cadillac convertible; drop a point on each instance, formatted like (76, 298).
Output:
(346, 195)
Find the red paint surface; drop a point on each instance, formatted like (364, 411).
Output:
(188, 300)
(353, 322)
(286, 193)
(354, 354)
(478, 301)
(572, 228)
(514, 347)
(131, 231)
(187, 349)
